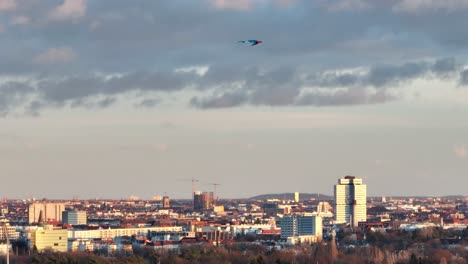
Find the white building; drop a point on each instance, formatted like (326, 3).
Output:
(118, 232)
(350, 201)
(6, 229)
(50, 212)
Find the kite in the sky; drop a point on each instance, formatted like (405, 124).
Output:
(253, 41)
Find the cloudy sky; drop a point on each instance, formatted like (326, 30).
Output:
(116, 98)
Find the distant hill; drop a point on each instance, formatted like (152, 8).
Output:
(290, 196)
(419, 197)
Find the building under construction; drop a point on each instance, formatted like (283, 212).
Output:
(203, 201)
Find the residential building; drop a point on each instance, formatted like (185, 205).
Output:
(7, 229)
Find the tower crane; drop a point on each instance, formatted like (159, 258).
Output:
(214, 186)
(193, 180)
(5, 231)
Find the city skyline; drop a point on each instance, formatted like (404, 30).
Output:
(114, 98)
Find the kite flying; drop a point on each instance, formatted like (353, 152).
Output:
(253, 41)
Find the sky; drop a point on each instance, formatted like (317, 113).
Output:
(108, 99)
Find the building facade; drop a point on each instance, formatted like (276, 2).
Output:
(202, 201)
(10, 231)
(296, 197)
(166, 202)
(301, 226)
(74, 217)
(350, 201)
(49, 211)
(50, 239)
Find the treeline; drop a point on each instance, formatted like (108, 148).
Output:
(241, 253)
(429, 246)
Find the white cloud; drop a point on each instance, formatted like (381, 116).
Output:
(233, 4)
(7, 5)
(55, 55)
(20, 20)
(245, 5)
(417, 6)
(460, 151)
(346, 5)
(68, 10)
(200, 70)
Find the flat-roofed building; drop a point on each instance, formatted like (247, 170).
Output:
(73, 217)
(50, 239)
(49, 211)
(350, 201)
(302, 226)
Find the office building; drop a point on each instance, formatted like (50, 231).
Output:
(296, 197)
(49, 211)
(48, 238)
(350, 201)
(73, 217)
(302, 226)
(202, 201)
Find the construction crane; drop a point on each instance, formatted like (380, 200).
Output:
(5, 231)
(193, 180)
(214, 186)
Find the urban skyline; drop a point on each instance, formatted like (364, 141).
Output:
(234, 131)
(116, 98)
(145, 231)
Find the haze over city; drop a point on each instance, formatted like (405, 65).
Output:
(108, 99)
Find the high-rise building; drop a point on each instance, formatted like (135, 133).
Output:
(301, 225)
(296, 197)
(202, 201)
(350, 201)
(50, 212)
(166, 202)
(73, 217)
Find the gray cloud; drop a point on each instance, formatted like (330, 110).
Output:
(33, 108)
(229, 86)
(387, 75)
(88, 86)
(349, 96)
(125, 36)
(148, 102)
(13, 93)
(229, 99)
(464, 77)
(445, 66)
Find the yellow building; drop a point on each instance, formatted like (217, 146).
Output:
(50, 239)
(218, 208)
